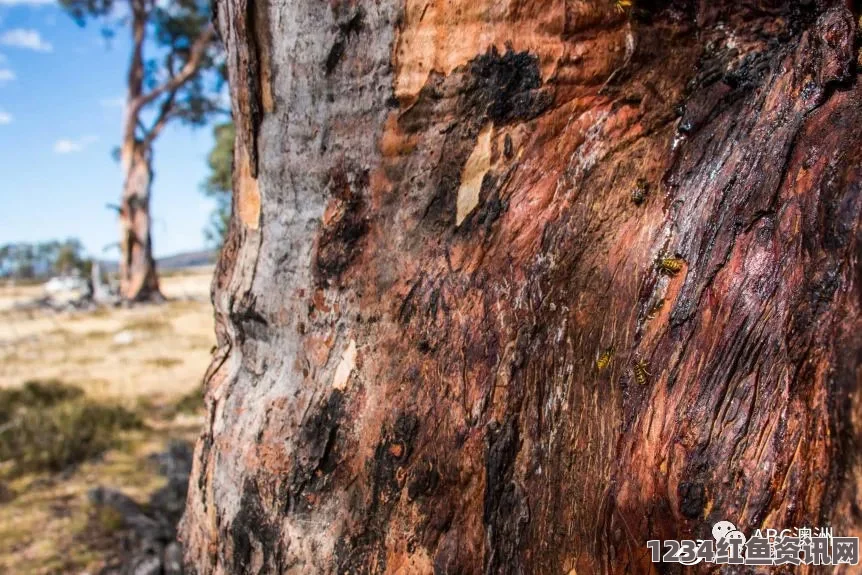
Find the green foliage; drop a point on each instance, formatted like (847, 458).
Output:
(219, 183)
(174, 28)
(47, 426)
(220, 160)
(68, 257)
(171, 29)
(80, 10)
(27, 261)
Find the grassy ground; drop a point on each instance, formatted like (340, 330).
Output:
(147, 361)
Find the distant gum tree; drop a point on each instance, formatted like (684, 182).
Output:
(173, 75)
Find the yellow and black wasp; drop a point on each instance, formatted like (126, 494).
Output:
(670, 266)
(604, 359)
(639, 371)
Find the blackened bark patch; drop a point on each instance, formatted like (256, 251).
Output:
(508, 148)
(346, 29)
(252, 329)
(343, 227)
(319, 455)
(423, 481)
(390, 455)
(251, 525)
(692, 498)
(500, 88)
(506, 512)
(503, 445)
(335, 54)
(250, 322)
(206, 442)
(365, 552)
(504, 88)
(241, 22)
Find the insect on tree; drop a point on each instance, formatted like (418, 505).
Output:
(604, 359)
(639, 370)
(623, 5)
(670, 266)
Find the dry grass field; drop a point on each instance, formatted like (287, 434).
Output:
(146, 361)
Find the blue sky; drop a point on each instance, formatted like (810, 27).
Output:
(61, 89)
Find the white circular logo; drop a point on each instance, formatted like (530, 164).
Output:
(721, 529)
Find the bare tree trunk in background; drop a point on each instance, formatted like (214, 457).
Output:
(514, 287)
(138, 279)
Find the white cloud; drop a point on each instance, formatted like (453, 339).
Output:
(118, 102)
(24, 38)
(5, 118)
(67, 146)
(6, 75)
(26, 2)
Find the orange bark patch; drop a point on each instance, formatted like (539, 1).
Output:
(248, 194)
(440, 36)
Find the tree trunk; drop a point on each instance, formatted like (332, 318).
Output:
(517, 287)
(138, 279)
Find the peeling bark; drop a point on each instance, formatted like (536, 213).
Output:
(516, 287)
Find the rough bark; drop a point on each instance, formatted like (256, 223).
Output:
(516, 287)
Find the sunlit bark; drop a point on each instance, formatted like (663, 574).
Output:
(516, 287)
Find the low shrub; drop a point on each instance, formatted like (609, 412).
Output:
(47, 426)
(35, 394)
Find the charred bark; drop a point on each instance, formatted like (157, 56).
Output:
(514, 288)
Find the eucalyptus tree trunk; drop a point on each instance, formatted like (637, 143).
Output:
(515, 287)
(138, 279)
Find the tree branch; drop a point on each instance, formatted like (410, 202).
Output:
(185, 74)
(165, 114)
(142, 127)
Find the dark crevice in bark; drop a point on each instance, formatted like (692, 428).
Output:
(344, 225)
(251, 527)
(365, 551)
(347, 28)
(319, 458)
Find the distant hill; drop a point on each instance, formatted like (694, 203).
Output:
(187, 260)
(174, 262)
